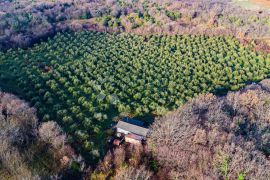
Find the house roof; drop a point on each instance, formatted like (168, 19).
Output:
(133, 121)
(132, 128)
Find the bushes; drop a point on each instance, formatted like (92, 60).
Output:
(131, 173)
(173, 15)
(125, 162)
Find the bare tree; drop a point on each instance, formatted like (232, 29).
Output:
(49, 132)
(190, 140)
(20, 142)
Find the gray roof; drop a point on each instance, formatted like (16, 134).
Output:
(132, 128)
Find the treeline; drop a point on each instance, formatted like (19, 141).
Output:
(22, 23)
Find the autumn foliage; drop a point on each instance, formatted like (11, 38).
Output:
(214, 137)
(30, 149)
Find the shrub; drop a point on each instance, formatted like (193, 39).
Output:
(131, 173)
(173, 15)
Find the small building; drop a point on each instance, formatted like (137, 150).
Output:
(134, 139)
(131, 130)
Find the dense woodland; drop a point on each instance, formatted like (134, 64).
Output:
(24, 22)
(217, 137)
(31, 149)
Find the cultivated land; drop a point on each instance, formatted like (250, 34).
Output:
(85, 79)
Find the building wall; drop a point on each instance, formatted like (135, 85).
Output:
(133, 141)
(119, 130)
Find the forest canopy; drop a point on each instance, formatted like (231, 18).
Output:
(24, 22)
(213, 137)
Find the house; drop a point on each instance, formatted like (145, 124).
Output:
(132, 130)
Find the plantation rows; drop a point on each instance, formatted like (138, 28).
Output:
(85, 79)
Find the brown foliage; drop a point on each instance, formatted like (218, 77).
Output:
(51, 133)
(126, 161)
(17, 120)
(265, 84)
(118, 157)
(23, 23)
(17, 124)
(12, 164)
(209, 133)
(23, 143)
(134, 154)
(131, 173)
